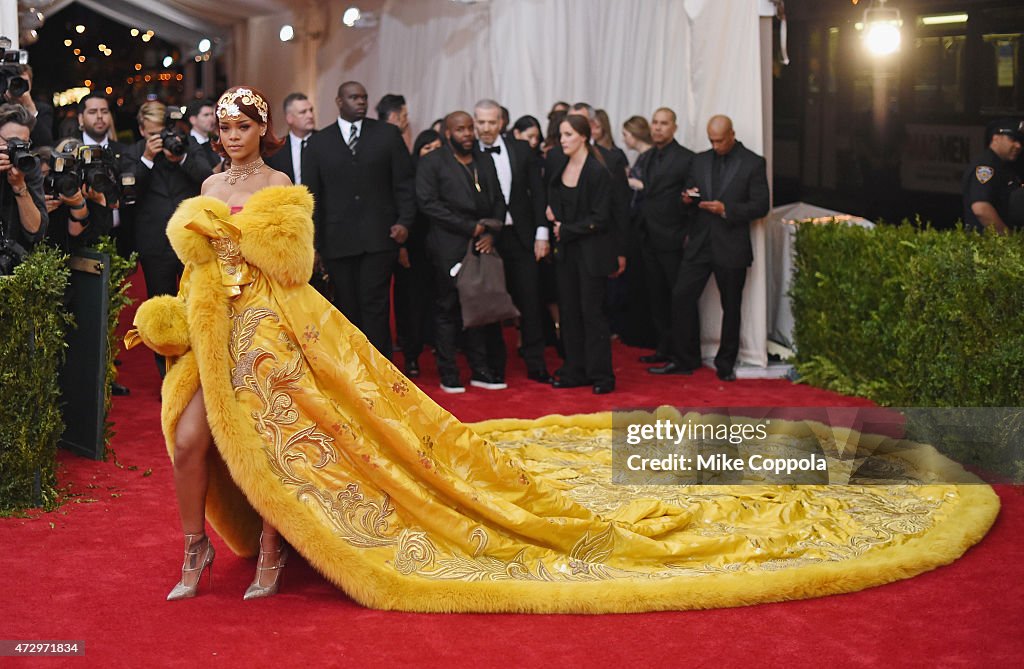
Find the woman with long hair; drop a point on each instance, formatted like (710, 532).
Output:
(578, 197)
(604, 136)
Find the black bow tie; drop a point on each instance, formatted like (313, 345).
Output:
(493, 149)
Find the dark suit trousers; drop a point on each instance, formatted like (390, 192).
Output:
(484, 346)
(693, 276)
(161, 273)
(522, 276)
(414, 301)
(362, 286)
(586, 335)
(661, 270)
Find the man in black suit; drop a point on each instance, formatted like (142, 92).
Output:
(162, 180)
(525, 238)
(360, 174)
(731, 184)
(663, 219)
(202, 120)
(95, 119)
(298, 114)
(457, 188)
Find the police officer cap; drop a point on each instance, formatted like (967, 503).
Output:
(1011, 127)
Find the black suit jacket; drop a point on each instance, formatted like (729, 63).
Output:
(526, 201)
(593, 228)
(159, 191)
(282, 159)
(207, 150)
(359, 197)
(617, 164)
(446, 197)
(744, 192)
(663, 214)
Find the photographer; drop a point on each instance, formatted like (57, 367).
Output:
(40, 110)
(79, 214)
(167, 170)
(97, 125)
(22, 210)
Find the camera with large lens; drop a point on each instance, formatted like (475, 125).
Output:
(11, 255)
(174, 138)
(21, 154)
(99, 170)
(64, 177)
(11, 81)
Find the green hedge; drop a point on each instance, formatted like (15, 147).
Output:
(32, 326)
(910, 317)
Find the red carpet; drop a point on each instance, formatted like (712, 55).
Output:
(98, 570)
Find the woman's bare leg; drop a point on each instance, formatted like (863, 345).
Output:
(192, 440)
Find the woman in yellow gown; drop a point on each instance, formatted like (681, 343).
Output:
(404, 507)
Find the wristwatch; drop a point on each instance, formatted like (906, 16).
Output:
(19, 193)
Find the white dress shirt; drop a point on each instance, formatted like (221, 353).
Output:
(503, 164)
(346, 129)
(295, 144)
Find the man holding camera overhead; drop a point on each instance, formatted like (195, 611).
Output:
(22, 211)
(167, 170)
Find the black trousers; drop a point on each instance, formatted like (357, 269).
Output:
(362, 292)
(522, 278)
(661, 270)
(414, 302)
(161, 272)
(484, 346)
(586, 336)
(693, 276)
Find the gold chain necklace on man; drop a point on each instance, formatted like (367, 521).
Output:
(473, 173)
(243, 172)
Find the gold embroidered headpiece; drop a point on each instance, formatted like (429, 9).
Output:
(227, 106)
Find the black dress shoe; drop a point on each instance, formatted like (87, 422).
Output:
(567, 383)
(603, 388)
(412, 369)
(726, 375)
(117, 389)
(670, 368)
(540, 377)
(654, 358)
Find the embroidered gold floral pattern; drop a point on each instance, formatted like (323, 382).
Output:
(367, 521)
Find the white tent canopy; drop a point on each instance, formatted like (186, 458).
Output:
(699, 57)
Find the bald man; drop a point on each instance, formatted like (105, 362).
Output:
(663, 225)
(360, 174)
(728, 189)
(456, 187)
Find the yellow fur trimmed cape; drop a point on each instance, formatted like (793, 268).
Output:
(404, 507)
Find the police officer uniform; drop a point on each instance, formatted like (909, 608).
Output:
(991, 179)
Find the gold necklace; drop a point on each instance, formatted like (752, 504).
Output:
(243, 172)
(473, 173)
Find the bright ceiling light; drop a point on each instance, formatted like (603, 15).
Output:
(882, 39)
(146, 37)
(882, 29)
(168, 61)
(287, 33)
(67, 42)
(135, 32)
(79, 29)
(943, 19)
(350, 16)
(204, 45)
